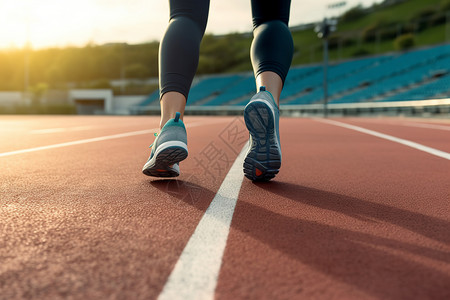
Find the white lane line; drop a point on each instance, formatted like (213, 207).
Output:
(85, 141)
(390, 138)
(102, 138)
(197, 270)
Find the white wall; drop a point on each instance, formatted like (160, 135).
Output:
(11, 98)
(101, 94)
(112, 104)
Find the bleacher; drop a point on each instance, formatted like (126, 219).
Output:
(210, 87)
(418, 74)
(439, 88)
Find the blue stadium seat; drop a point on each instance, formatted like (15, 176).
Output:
(359, 80)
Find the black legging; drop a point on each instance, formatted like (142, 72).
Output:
(271, 50)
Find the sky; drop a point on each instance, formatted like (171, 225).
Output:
(50, 23)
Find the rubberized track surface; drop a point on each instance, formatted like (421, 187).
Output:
(349, 216)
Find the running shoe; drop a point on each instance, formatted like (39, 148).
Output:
(168, 149)
(263, 159)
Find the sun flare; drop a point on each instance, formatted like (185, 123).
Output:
(47, 23)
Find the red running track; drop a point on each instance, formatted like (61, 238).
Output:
(350, 216)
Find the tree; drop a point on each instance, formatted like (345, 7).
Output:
(404, 42)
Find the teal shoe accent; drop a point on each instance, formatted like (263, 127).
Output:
(177, 117)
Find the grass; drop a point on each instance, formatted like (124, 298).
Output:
(398, 13)
(310, 47)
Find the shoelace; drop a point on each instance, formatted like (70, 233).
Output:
(177, 117)
(156, 135)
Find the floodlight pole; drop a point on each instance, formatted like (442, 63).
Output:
(26, 71)
(122, 69)
(325, 77)
(323, 31)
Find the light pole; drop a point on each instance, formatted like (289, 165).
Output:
(122, 68)
(26, 63)
(323, 31)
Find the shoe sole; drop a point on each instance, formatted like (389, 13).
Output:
(167, 155)
(263, 159)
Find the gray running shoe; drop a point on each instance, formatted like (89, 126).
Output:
(263, 159)
(168, 149)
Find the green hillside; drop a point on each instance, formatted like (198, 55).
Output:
(374, 30)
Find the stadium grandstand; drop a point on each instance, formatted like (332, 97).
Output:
(422, 74)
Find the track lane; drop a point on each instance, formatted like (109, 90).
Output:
(350, 216)
(21, 134)
(418, 120)
(84, 222)
(431, 137)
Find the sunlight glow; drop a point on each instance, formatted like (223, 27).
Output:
(62, 23)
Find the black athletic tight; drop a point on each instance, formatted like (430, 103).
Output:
(271, 50)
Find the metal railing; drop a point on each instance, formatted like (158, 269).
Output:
(421, 107)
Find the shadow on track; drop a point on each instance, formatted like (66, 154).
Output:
(427, 226)
(186, 191)
(376, 265)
